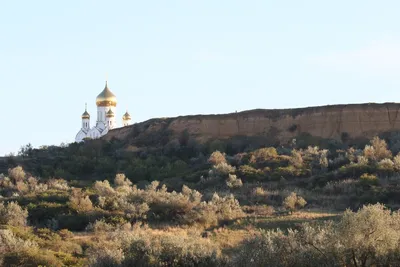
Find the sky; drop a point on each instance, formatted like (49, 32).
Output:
(171, 58)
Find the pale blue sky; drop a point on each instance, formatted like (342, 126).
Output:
(170, 58)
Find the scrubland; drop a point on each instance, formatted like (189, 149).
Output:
(266, 206)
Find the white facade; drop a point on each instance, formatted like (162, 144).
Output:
(106, 109)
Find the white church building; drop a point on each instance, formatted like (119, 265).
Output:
(106, 103)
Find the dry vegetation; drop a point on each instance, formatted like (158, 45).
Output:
(263, 207)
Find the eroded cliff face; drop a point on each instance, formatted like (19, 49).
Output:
(356, 120)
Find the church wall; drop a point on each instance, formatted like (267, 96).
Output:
(101, 112)
(85, 123)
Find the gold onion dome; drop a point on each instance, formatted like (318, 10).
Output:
(126, 116)
(106, 98)
(85, 114)
(110, 113)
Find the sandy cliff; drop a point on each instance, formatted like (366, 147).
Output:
(356, 120)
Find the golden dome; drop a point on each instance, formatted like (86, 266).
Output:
(110, 113)
(85, 114)
(106, 98)
(126, 116)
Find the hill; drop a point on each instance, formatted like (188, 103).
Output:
(278, 126)
(174, 192)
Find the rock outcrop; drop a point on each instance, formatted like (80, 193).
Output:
(353, 120)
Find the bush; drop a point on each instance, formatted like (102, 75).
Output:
(221, 170)
(121, 180)
(9, 243)
(380, 148)
(250, 174)
(234, 182)
(103, 188)
(296, 159)
(293, 202)
(13, 214)
(259, 195)
(31, 257)
(218, 210)
(79, 202)
(368, 237)
(216, 158)
(144, 248)
(65, 234)
(58, 184)
(369, 179)
(17, 174)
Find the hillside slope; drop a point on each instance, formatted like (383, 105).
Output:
(333, 122)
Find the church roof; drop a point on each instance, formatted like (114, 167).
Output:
(110, 113)
(85, 114)
(106, 98)
(126, 116)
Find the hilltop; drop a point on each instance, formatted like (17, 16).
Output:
(352, 122)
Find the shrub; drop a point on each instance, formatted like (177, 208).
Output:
(9, 243)
(65, 234)
(296, 159)
(79, 202)
(144, 248)
(17, 174)
(396, 161)
(347, 186)
(263, 155)
(250, 173)
(103, 188)
(386, 165)
(259, 195)
(216, 158)
(234, 182)
(121, 180)
(380, 148)
(293, 202)
(369, 179)
(13, 214)
(221, 170)
(31, 257)
(218, 210)
(58, 184)
(368, 237)
(100, 226)
(361, 160)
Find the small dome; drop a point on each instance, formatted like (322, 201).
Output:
(126, 116)
(110, 113)
(106, 98)
(85, 114)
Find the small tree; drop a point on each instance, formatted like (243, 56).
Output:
(380, 149)
(293, 202)
(217, 158)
